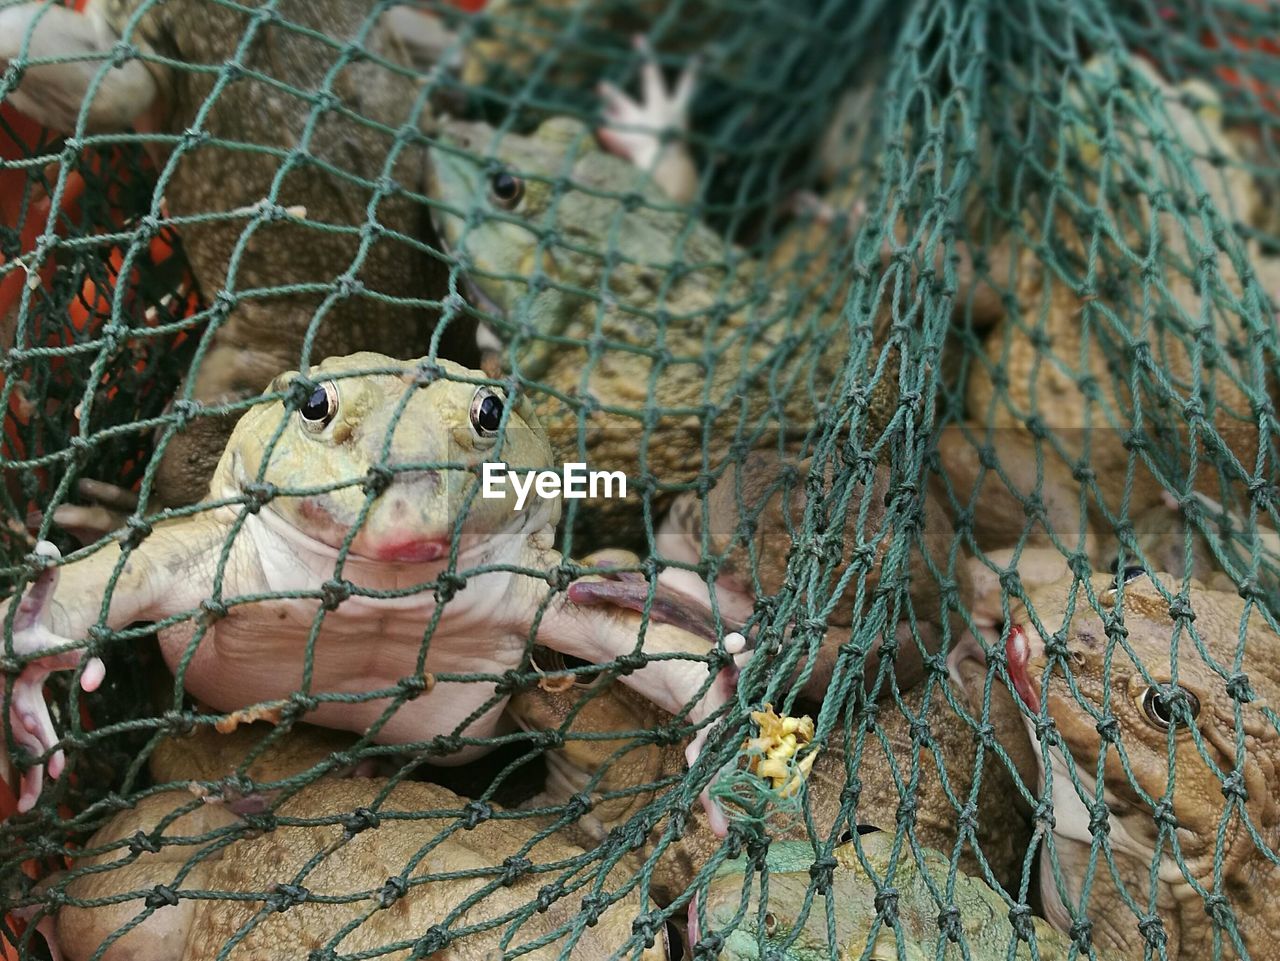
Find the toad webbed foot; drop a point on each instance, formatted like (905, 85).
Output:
(648, 131)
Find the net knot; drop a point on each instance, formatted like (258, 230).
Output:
(1010, 583)
(1082, 933)
(427, 372)
(224, 302)
(1043, 814)
(436, 939)
(475, 813)
(592, 907)
(177, 722)
(906, 812)
(631, 662)
(1218, 908)
(1238, 687)
(333, 592)
(1020, 919)
(392, 891)
(1109, 729)
(1055, 647)
(325, 101)
(646, 926)
(1084, 474)
(1099, 820)
(161, 896)
(514, 868)
(286, 896)
(1262, 493)
(361, 819)
(510, 682)
(1180, 609)
(1162, 814)
(212, 609)
(709, 946)
(1037, 428)
(949, 923)
(1136, 441)
(548, 895)
(886, 902)
(1233, 788)
(577, 805)
(551, 740)
(139, 530)
(80, 448)
(1251, 590)
(378, 479)
(562, 575)
(415, 684)
(448, 583)
(258, 493)
(1152, 929)
(446, 744)
(348, 287)
(823, 870)
(142, 842)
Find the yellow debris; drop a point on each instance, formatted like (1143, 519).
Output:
(772, 753)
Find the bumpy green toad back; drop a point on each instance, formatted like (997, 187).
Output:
(781, 929)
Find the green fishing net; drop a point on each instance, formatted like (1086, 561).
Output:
(996, 282)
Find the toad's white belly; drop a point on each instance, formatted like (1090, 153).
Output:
(258, 652)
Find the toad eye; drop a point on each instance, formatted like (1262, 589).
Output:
(1158, 706)
(506, 189)
(1128, 574)
(486, 413)
(321, 407)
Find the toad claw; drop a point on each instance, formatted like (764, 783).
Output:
(29, 718)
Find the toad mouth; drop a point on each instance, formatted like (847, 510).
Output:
(471, 290)
(1018, 654)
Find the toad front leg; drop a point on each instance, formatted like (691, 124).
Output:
(675, 671)
(28, 714)
(51, 621)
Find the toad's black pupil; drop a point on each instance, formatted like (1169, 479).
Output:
(490, 414)
(505, 186)
(317, 406)
(1130, 573)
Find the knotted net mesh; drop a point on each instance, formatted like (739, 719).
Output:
(936, 343)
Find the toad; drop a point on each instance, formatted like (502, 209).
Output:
(1162, 751)
(353, 865)
(350, 554)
